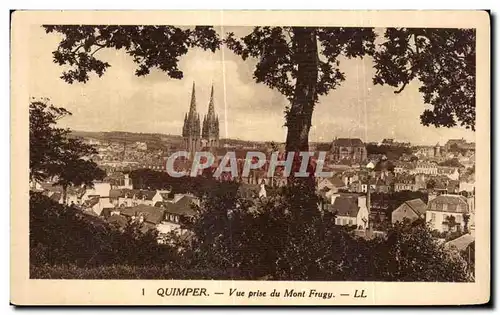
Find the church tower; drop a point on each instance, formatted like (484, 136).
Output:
(191, 127)
(210, 130)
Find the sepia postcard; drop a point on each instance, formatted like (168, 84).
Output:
(250, 158)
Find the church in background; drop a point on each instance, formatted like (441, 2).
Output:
(198, 137)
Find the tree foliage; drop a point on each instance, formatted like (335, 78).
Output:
(53, 153)
(61, 234)
(443, 60)
(302, 63)
(287, 237)
(152, 46)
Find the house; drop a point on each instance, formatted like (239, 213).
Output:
(349, 177)
(161, 195)
(461, 243)
(55, 192)
(148, 215)
(411, 209)
(134, 197)
(459, 144)
(176, 213)
(351, 149)
(427, 168)
(330, 185)
(466, 186)
(401, 167)
(405, 182)
(350, 209)
(448, 212)
(450, 172)
(119, 180)
(99, 189)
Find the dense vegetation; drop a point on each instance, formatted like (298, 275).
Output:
(392, 153)
(284, 237)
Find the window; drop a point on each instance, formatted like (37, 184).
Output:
(344, 222)
(445, 207)
(433, 217)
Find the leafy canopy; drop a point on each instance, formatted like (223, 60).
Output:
(443, 60)
(53, 153)
(150, 47)
(277, 51)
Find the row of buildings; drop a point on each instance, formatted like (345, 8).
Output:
(443, 213)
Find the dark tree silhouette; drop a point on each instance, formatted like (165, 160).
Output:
(302, 63)
(443, 60)
(150, 47)
(53, 154)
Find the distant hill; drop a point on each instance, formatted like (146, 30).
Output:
(153, 140)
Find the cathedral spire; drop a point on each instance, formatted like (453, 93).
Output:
(211, 109)
(192, 107)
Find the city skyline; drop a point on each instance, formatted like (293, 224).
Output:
(247, 110)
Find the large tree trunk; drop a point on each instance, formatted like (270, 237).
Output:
(300, 113)
(299, 116)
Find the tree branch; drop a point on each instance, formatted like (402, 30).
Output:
(401, 89)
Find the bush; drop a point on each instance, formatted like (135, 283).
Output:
(126, 272)
(65, 235)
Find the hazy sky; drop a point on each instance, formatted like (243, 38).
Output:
(120, 101)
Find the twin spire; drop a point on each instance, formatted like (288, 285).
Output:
(210, 126)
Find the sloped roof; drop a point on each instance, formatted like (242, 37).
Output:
(417, 205)
(345, 205)
(165, 196)
(106, 212)
(151, 214)
(91, 202)
(51, 187)
(56, 196)
(335, 181)
(454, 203)
(462, 242)
(118, 220)
(147, 194)
(115, 193)
(348, 142)
(181, 207)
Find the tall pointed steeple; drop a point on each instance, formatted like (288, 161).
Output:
(211, 109)
(192, 107)
(191, 128)
(210, 130)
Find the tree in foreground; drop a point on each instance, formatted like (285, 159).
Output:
(411, 253)
(54, 154)
(283, 238)
(302, 63)
(443, 61)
